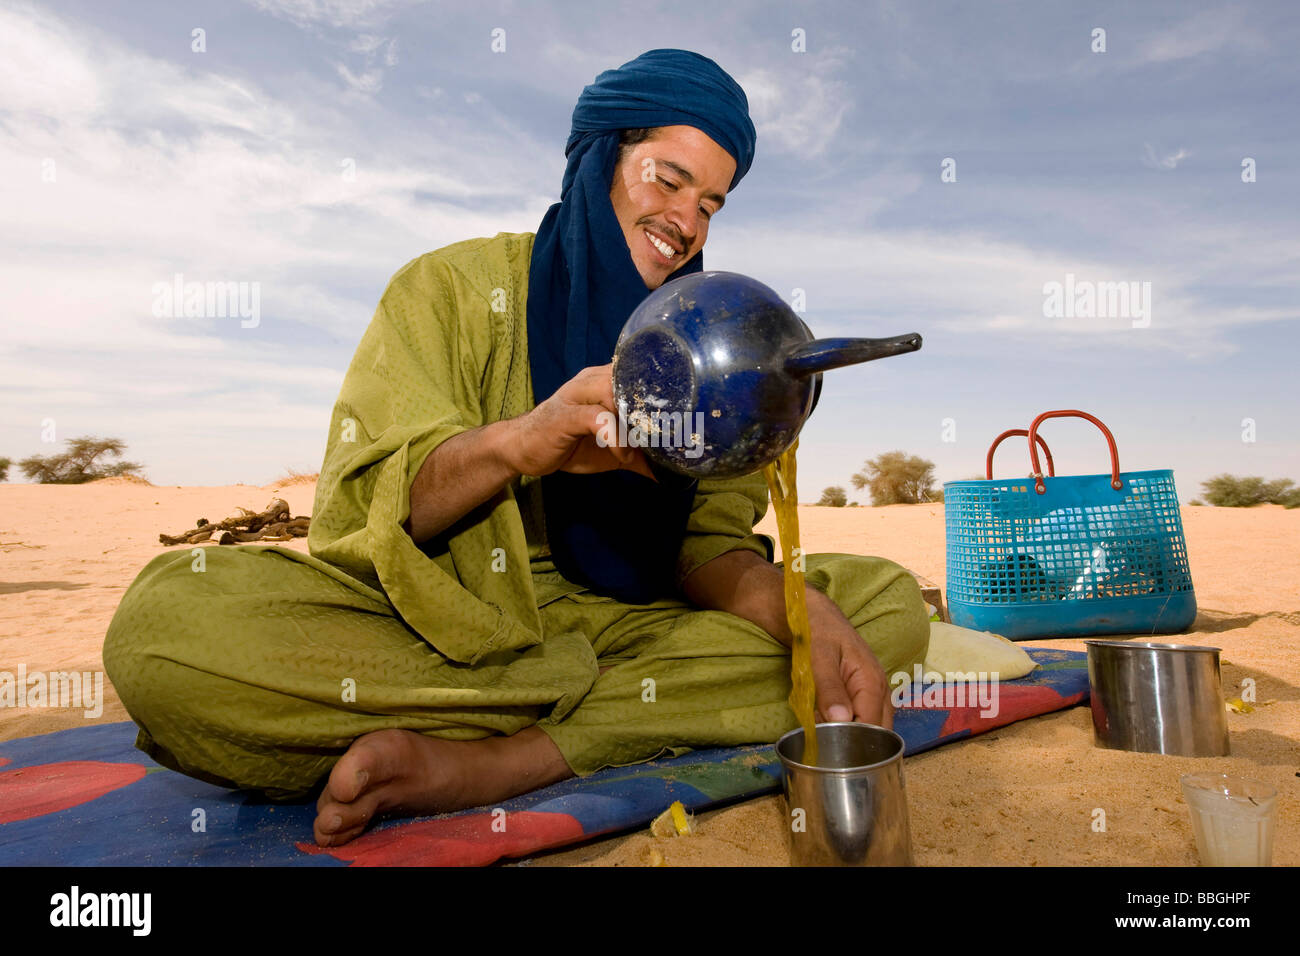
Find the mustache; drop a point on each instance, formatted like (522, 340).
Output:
(666, 230)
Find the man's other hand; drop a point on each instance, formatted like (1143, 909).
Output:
(850, 683)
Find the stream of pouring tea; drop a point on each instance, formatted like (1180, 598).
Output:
(780, 476)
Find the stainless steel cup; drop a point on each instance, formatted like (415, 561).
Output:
(851, 809)
(1157, 698)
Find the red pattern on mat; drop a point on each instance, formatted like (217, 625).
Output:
(459, 841)
(50, 787)
(1013, 702)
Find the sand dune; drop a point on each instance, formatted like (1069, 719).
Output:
(1025, 794)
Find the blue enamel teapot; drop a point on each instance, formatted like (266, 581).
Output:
(714, 375)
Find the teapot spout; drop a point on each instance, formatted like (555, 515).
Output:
(821, 355)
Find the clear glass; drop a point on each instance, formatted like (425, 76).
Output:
(1233, 818)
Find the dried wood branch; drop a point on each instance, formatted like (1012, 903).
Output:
(273, 523)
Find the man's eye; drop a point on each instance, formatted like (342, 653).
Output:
(707, 214)
(672, 186)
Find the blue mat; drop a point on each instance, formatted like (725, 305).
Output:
(87, 797)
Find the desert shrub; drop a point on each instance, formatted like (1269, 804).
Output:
(897, 478)
(834, 497)
(80, 463)
(1230, 491)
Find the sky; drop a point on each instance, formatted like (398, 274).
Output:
(920, 167)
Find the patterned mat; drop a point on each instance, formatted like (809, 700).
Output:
(87, 797)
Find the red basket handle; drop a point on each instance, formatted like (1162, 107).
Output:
(1037, 473)
(988, 464)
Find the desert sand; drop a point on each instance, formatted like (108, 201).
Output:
(1022, 795)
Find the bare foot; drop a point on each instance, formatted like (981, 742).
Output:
(402, 772)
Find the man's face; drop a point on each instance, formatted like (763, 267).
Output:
(664, 192)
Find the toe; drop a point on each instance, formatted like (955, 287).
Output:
(324, 831)
(337, 825)
(349, 778)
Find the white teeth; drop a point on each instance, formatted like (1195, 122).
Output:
(663, 247)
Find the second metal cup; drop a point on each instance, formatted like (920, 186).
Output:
(1157, 698)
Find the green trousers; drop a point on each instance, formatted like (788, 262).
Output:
(258, 669)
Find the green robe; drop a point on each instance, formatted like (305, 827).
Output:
(257, 666)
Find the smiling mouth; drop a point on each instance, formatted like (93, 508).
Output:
(667, 252)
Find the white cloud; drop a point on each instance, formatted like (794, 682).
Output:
(795, 112)
(42, 71)
(1204, 32)
(580, 59)
(80, 81)
(799, 106)
(1152, 160)
(367, 81)
(333, 13)
(366, 43)
(370, 78)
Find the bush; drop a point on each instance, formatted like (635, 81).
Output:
(79, 463)
(834, 497)
(897, 478)
(4, 469)
(1229, 491)
(1195, 503)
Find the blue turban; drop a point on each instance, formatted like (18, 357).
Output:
(583, 285)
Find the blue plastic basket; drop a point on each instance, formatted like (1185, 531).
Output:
(1067, 557)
